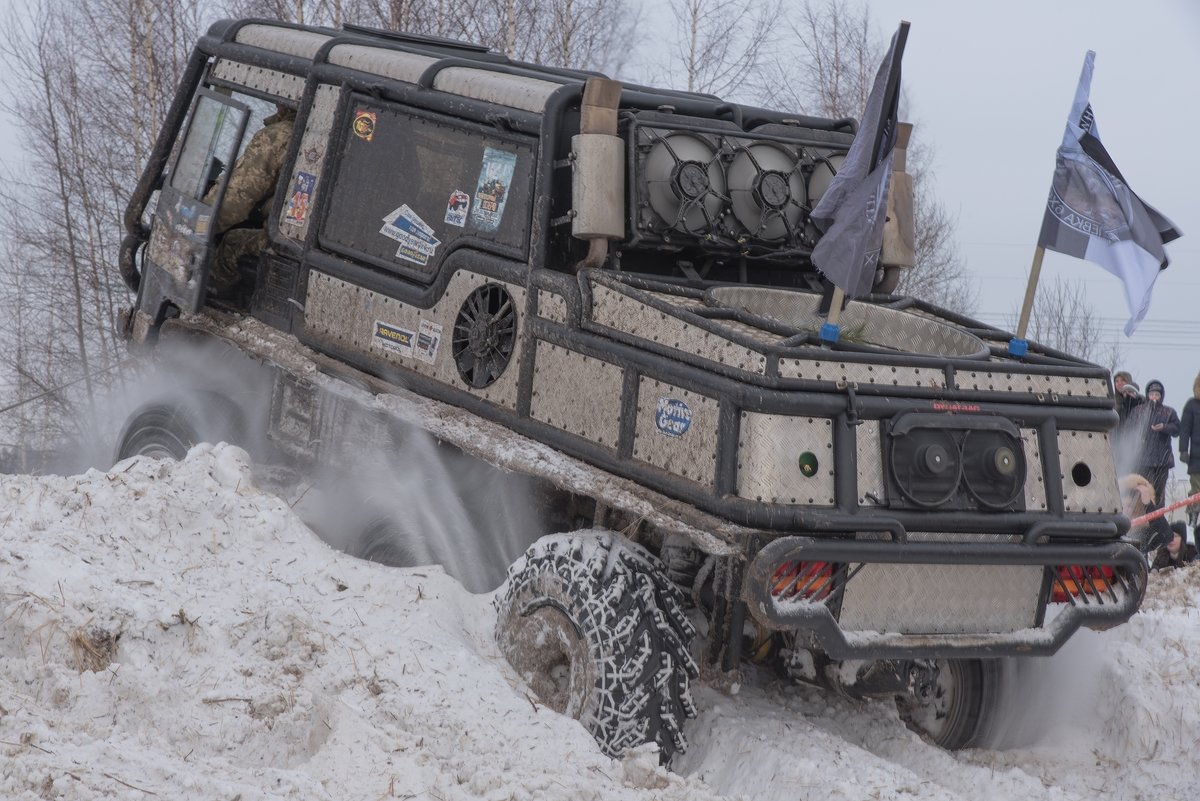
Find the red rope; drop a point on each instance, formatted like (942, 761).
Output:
(1157, 513)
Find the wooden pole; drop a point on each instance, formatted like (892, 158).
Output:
(830, 329)
(1018, 345)
(1035, 273)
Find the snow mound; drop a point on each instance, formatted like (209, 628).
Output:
(169, 629)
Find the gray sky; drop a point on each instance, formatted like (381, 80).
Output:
(991, 85)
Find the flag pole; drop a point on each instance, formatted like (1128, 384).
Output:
(1018, 346)
(830, 328)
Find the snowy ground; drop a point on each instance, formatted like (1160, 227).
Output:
(168, 630)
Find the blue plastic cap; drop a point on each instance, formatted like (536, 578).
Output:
(830, 332)
(1018, 347)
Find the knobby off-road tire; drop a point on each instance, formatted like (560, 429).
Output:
(591, 622)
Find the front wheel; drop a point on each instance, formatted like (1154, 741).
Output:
(161, 431)
(168, 429)
(591, 622)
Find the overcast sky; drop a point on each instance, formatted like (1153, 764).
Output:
(991, 85)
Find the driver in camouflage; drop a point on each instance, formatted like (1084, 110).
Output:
(251, 185)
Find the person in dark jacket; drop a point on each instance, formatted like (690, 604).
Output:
(1177, 552)
(1127, 397)
(1152, 425)
(1189, 446)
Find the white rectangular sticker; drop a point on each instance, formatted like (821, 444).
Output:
(417, 242)
(457, 207)
(429, 337)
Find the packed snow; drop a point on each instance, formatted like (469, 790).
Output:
(171, 630)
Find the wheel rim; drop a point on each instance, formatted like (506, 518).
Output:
(156, 443)
(553, 657)
(945, 709)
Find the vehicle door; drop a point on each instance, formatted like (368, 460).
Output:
(181, 243)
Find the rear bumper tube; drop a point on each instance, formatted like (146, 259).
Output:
(1099, 604)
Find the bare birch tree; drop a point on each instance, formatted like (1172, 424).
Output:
(89, 115)
(1064, 319)
(720, 44)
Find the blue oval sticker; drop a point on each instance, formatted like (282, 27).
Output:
(673, 417)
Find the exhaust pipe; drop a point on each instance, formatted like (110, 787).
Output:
(598, 180)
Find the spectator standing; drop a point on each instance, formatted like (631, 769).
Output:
(1151, 425)
(1177, 552)
(1128, 397)
(1189, 446)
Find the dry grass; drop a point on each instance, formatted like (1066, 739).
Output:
(92, 648)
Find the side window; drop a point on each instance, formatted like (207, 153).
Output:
(211, 142)
(408, 184)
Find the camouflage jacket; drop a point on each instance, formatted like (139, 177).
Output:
(257, 171)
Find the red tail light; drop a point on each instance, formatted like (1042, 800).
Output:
(1080, 579)
(809, 580)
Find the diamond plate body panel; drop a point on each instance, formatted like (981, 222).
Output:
(878, 325)
(311, 158)
(682, 301)
(941, 599)
(259, 78)
(405, 67)
(750, 331)
(629, 315)
(769, 448)
(863, 374)
(1035, 482)
(303, 44)
(1092, 449)
(998, 381)
(514, 91)
(551, 306)
(577, 394)
(872, 489)
(692, 454)
(345, 315)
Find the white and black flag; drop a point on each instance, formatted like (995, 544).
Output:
(853, 209)
(1092, 213)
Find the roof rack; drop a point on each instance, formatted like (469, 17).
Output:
(415, 38)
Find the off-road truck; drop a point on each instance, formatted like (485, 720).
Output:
(608, 290)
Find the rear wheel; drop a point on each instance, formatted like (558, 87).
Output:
(951, 700)
(591, 622)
